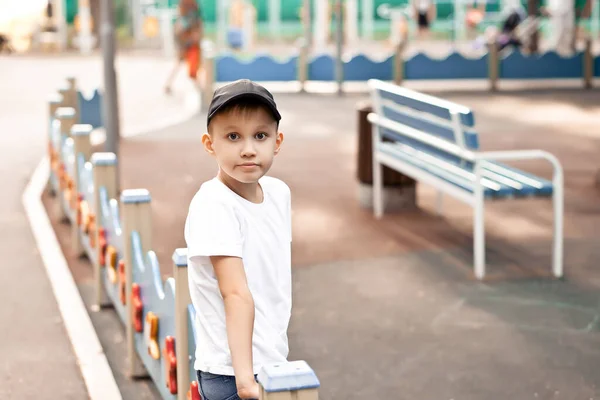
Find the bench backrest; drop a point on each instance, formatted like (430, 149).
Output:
(426, 116)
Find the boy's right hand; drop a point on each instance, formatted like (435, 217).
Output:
(248, 391)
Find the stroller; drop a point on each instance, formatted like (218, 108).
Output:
(516, 30)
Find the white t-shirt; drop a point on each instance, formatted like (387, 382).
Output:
(220, 222)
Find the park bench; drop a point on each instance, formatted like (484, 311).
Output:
(434, 142)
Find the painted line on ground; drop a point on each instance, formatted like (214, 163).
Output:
(98, 376)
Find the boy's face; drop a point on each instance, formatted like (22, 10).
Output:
(244, 142)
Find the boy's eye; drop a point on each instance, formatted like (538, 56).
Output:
(261, 135)
(233, 136)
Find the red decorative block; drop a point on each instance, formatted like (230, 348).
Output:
(122, 281)
(138, 307)
(102, 247)
(194, 393)
(171, 364)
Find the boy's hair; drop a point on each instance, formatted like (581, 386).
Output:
(244, 105)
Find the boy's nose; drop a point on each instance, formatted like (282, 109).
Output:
(248, 150)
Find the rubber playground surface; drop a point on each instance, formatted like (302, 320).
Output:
(390, 309)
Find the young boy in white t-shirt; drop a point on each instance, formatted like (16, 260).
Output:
(238, 234)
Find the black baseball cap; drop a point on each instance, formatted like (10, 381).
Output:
(241, 89)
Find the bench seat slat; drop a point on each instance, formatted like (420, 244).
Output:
(499, 181)
(541, 186)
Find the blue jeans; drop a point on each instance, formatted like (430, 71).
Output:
(217, 387)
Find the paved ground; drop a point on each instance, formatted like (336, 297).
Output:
(37, 356)
(390, 309)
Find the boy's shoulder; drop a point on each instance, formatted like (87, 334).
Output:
(210, 192)
(274, 185)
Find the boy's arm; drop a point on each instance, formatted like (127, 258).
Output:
(239, 317)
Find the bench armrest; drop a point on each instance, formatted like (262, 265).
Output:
(486, 156)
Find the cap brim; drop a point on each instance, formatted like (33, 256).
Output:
(237, 97)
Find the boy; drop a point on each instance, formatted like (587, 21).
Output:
(238, 234)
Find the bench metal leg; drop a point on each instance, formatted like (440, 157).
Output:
(479, 226)
(377, 188)
(439, 202)
(557, 247)
(377, 174)
(479, 239)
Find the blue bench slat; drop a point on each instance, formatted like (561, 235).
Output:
(470, 138)
(461, 182)
(543, 186)
(508, 187)
(429, 104)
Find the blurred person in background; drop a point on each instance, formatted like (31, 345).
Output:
(188, 34)
(562, 25)
(424, 12)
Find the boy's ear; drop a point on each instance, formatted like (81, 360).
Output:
(278, 142)
(207, 142)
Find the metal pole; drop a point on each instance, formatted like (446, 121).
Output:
(532, 11)
(307, 23)
(110, 104)
(339, 38)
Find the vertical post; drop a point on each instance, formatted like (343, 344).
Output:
(303, 65)
(288, 381)
(339, 40)
(493, 64)
(320, 37)
(182, 299)
(377, 174)
(222, 7)
(367, 19)
(275, 17)
(53, 104)
(61, 24)
(399, 63)
(110, 103)
(70, 97)
(532, 10)
(588, 64)
(66, 116)
(559, 210)
(459, 19)
(85, 27)
(81, 147)
(105, 176)
(137, 215)
(595, 17)
(307, 21)
(351, 18)
(209, 73)
(479, 224)
(136, 20)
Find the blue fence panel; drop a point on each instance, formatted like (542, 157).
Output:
(321, 68)
(550, 65)
(160, 300)
(362, 68)
(262, 68)
(90, 110)
(455, 66)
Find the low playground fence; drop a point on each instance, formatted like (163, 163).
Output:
(114, 232)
